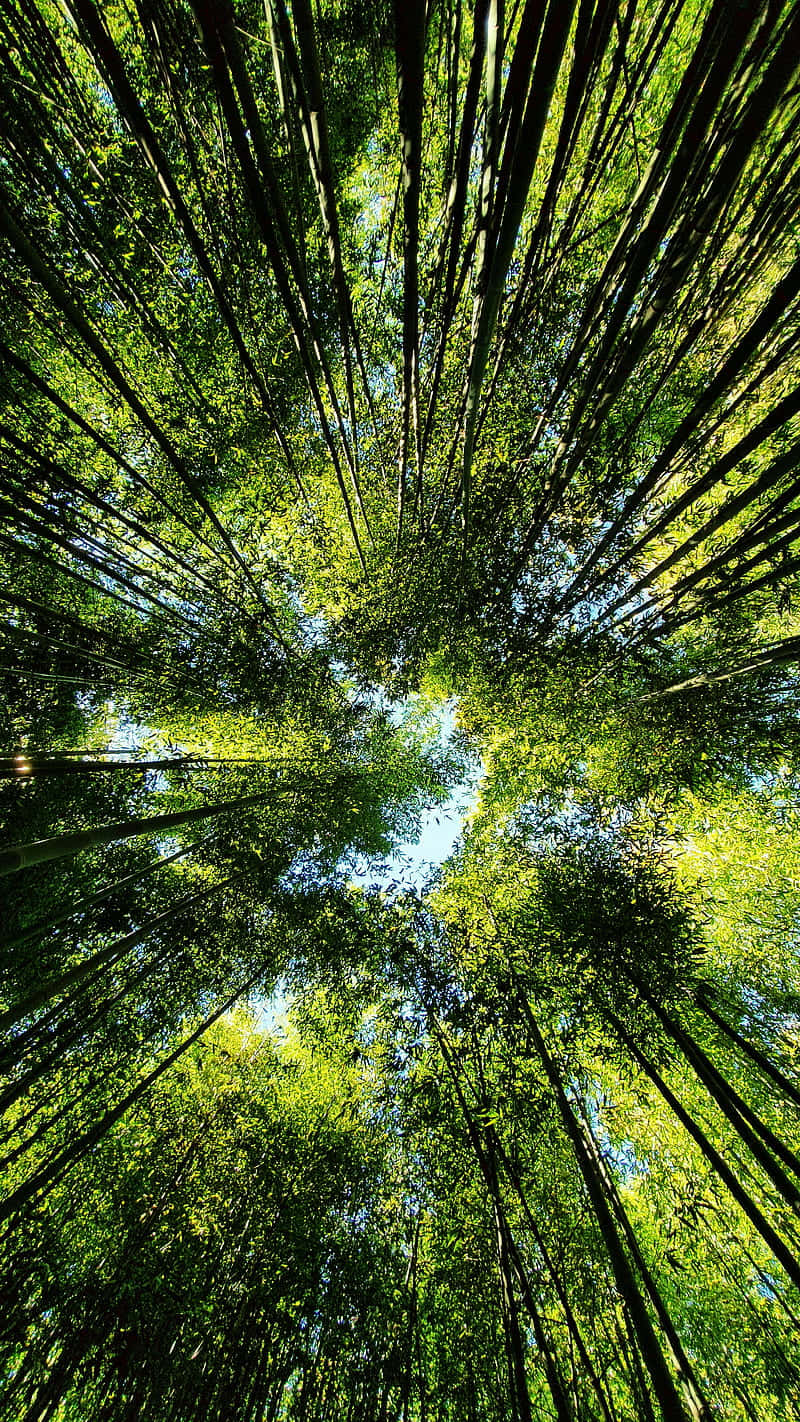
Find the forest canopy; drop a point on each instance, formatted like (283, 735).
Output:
(399, 411)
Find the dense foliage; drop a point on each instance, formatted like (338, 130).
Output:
(399, 401)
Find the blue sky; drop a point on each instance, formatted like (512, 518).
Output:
(441, 826)
(439, 830)
(411, 864)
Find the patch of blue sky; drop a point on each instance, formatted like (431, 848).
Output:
(621, 1154)
(272, 1012)
(440, 831)
(412, 863)
(439, 716)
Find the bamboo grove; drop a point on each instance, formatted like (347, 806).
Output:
(399, 403)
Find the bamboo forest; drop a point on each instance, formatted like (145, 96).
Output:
(399, 729)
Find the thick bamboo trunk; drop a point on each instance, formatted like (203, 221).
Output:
(62, 846)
